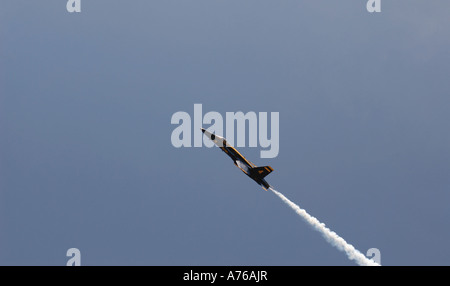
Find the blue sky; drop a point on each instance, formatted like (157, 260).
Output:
(86, 159)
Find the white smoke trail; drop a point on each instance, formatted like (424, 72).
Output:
(329, 235)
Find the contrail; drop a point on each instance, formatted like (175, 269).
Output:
(329, 235)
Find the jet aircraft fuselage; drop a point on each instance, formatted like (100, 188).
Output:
(254, 172)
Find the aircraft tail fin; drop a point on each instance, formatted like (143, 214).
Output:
(262, 171)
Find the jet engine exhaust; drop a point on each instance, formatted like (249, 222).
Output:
(329, 235)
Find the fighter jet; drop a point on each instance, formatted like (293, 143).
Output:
(254, 172)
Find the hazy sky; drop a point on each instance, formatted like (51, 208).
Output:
(86, 159)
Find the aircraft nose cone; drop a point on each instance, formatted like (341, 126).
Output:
(203, 130)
